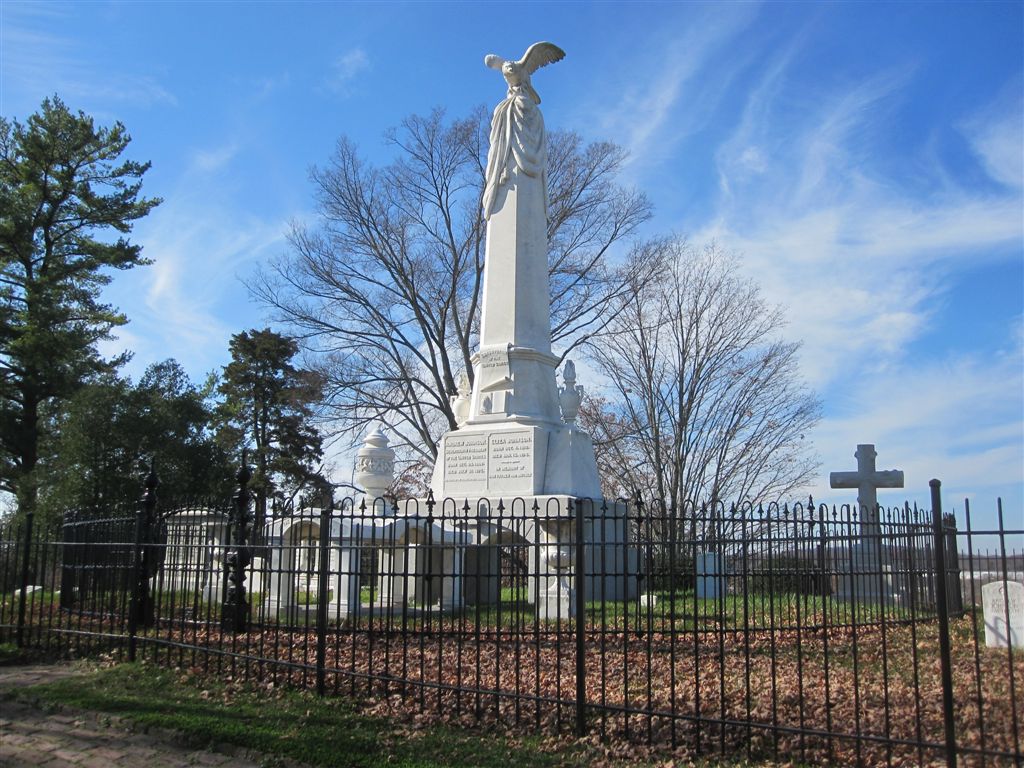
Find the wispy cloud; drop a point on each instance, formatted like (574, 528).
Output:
(190, 300)
(654, 82)
(210, 160)
(862, 261)
(959, 418)
(829, 232)
(266, 87)
(345, 69)
(65, 67)
(997, 136)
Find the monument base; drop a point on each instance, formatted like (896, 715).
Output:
(513, 459)
(867, 577)
(540, 533)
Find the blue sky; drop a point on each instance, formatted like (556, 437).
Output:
(866, 159)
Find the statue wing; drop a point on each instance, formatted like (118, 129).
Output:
(539, 55)
(494, 62)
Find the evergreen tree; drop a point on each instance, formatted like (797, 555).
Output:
(109, 428)
(268, 408)
(63, 190)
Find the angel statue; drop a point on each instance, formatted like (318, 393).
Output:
(517, 127)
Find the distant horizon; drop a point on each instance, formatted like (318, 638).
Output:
(866, 161)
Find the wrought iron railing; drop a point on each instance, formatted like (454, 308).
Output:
(760, 632)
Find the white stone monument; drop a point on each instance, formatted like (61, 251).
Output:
(407, 548)
(293, 581)
(868, 573)
(195, 553)
(517, 437)
(514, 440)
(1003, 603)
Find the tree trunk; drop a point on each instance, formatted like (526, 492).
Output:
(28, 489)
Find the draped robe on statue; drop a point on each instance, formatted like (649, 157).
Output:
(518, 142)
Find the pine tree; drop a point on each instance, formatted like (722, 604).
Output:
(63, 191)
(268, 408)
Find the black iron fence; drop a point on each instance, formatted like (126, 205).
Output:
(804, 632)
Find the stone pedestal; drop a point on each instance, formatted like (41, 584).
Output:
(400, 574)
(510, 459)
(285, 539)
(543, 530)
(409, 550)
(867, 576)
(346, 601)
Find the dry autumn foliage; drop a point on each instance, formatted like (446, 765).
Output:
(870, 696)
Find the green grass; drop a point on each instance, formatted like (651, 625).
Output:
(311, 598)
(290, 724)
(685, 613)
(286, 724)
(32, 599)
(10, 654)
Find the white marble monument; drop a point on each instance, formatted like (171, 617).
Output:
(867, 573)
(514, 439)
(196, 540)
(517, 437)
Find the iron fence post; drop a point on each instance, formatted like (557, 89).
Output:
(235, 609)
(68, 581)
(943, 611)
(323, 594)
(19, 637)
(955, 593)
(581, 622)
(133, 605)
(140, 609)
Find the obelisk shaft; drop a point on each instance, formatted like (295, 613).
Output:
(515, 303)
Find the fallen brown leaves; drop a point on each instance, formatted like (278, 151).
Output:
(870, 697)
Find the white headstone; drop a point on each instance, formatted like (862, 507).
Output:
(710, 575)
(1004, 614)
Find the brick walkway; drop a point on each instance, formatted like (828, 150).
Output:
(30, 737)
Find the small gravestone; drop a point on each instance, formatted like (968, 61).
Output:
(710, 575)
(1004, 614)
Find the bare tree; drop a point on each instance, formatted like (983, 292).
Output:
(384, 292)
(706, 402)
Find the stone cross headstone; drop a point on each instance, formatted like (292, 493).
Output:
(1004, 614)
(865, 577)
(867, 480)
